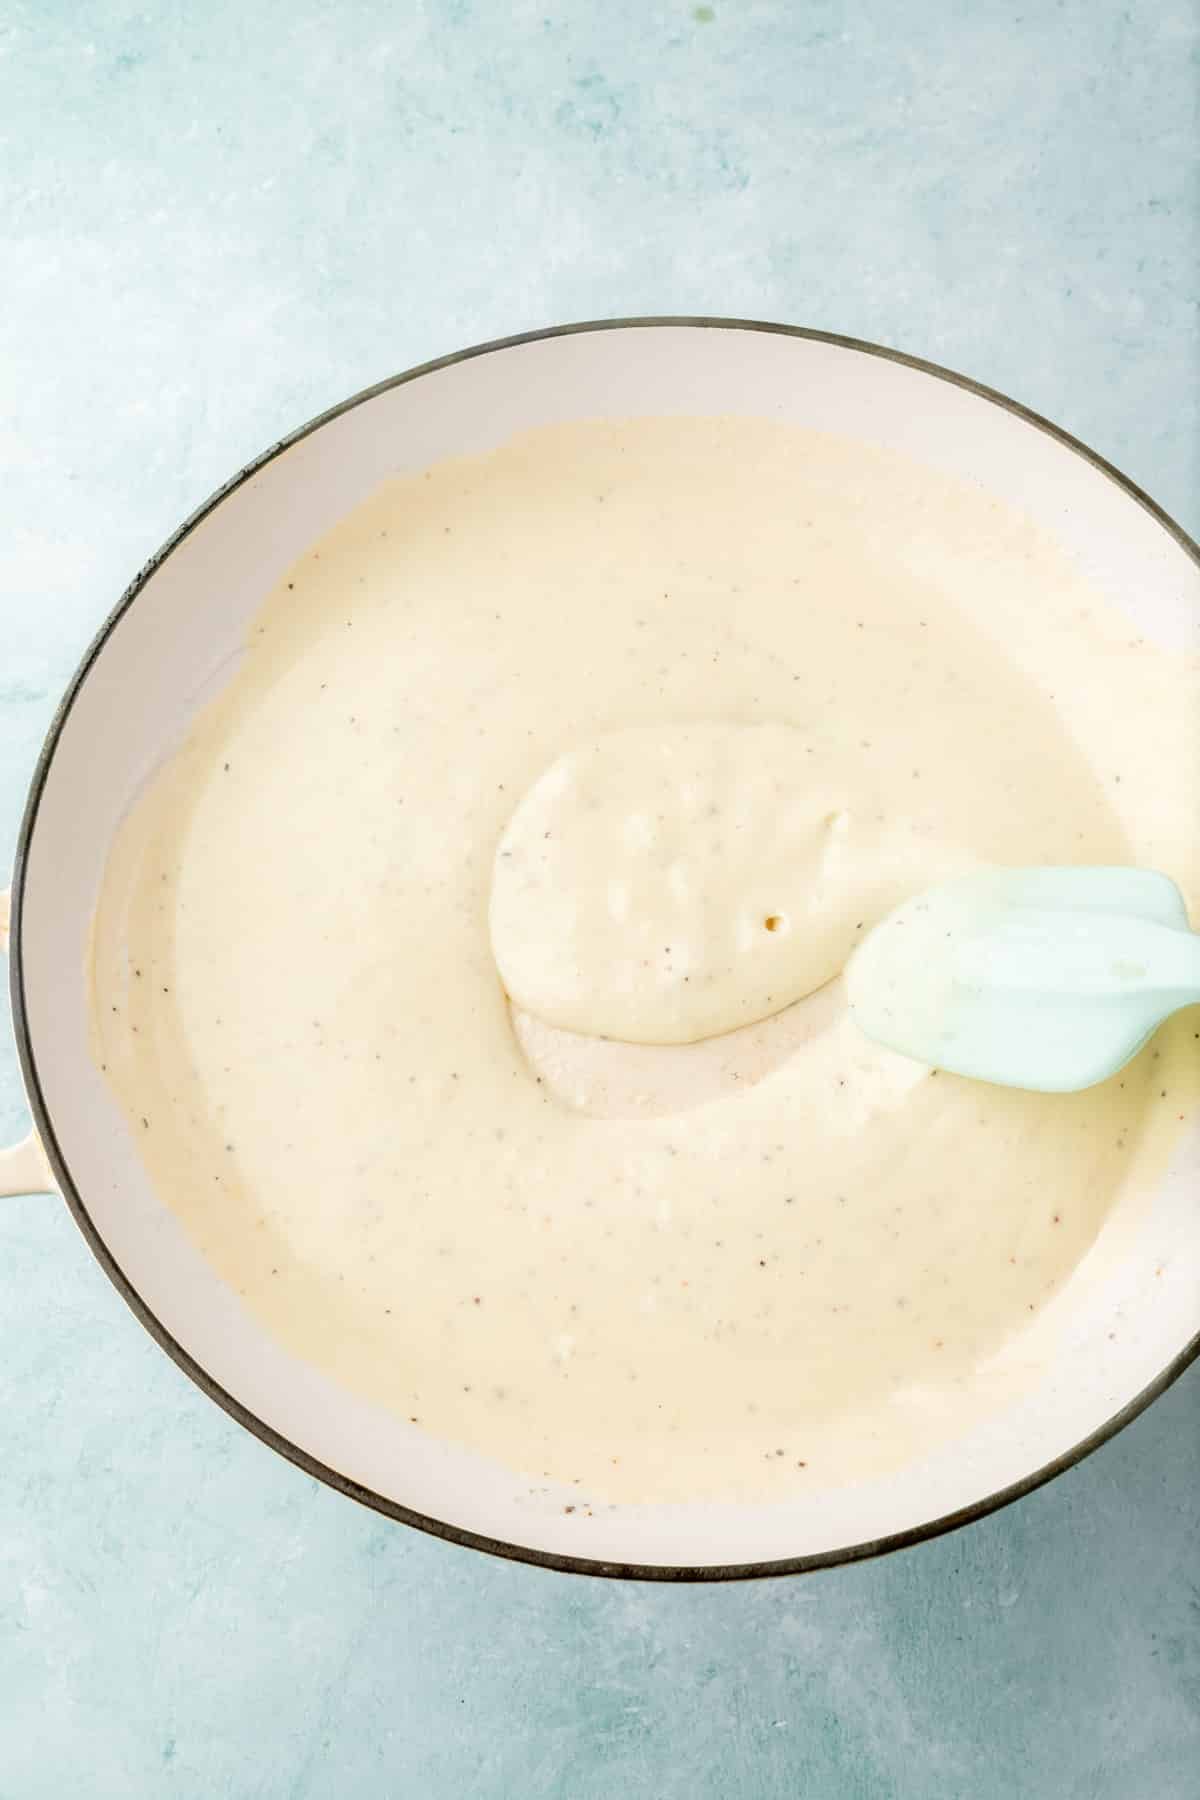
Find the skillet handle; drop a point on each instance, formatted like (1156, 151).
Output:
(23, 1168)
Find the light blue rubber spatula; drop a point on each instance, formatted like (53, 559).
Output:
(1035, 978)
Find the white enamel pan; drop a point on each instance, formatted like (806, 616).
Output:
(173, 639)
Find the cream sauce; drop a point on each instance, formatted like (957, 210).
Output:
(664, 885)
(659, 1273)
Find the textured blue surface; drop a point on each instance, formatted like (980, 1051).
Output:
(215, 221)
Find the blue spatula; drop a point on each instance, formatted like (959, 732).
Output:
(1035, 978)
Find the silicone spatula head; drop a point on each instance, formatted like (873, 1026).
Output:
(1047, 978)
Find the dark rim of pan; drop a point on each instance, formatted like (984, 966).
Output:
(580, 1565)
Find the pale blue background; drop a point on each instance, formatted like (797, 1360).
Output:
(216, 220)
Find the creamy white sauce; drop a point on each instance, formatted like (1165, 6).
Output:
(692, 1264)
(665, 884)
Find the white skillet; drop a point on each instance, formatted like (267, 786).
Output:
(172, 641)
